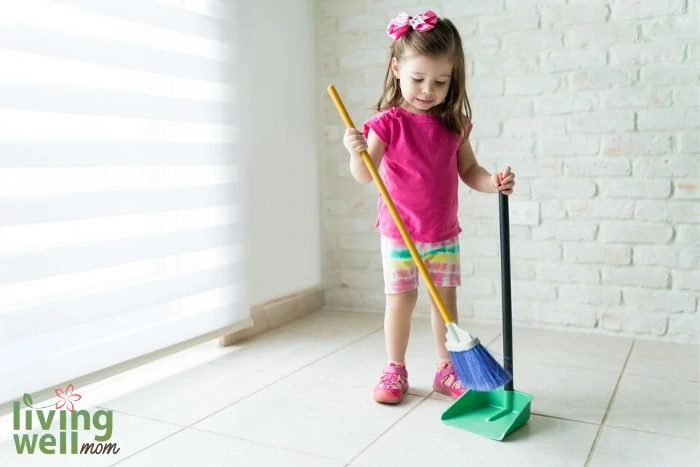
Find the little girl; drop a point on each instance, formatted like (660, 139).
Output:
(419, 139)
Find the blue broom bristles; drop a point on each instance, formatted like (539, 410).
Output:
(478, 370)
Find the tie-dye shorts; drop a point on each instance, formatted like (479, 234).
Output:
(441, 259)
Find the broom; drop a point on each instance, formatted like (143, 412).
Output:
(475, 366)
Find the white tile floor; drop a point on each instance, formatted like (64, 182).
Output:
(301, 396)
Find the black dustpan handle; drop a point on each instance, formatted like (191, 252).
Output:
(505, 288)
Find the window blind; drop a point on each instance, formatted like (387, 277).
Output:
(120, 183)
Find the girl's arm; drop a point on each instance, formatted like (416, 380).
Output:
(478, 178)
(355, 143)
(471, 173)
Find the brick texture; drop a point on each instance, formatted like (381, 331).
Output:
(595, 105)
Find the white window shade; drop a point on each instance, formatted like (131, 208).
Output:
(120, 186)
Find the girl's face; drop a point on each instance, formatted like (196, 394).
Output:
(424, 81)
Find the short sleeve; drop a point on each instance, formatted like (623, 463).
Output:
(381, 124)
(468, 127)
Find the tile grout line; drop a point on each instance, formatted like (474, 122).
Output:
(599, 433)
(259, 443)
(585, 368)
(497, 337)
(352, 459)
(655, 433)
(664, 378)
(283, 377)
(564, 419)
(225, 435)
(142, 417)
(148, 446)
(191, 425)
(636, 430)
(422, 398)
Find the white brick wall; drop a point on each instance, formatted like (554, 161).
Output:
(596, 106)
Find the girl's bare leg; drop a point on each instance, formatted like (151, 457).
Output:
(397, 324)
(449, 297)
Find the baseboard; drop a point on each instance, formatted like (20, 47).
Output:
(278, 312)
(265, 316)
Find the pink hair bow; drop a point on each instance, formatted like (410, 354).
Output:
(421, 22)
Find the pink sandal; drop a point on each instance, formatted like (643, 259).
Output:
(447, 382)
(392, 385)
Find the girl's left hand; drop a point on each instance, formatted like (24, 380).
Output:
(504, 181)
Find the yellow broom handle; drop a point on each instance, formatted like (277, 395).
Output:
(394, 213)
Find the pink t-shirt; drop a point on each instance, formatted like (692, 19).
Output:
(419, 169)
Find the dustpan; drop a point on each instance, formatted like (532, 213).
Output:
(495, 414)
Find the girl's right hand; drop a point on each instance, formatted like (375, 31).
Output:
(354, 141)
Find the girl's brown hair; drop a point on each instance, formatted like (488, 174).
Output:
(441, 41)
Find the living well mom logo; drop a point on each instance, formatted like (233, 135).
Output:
(55, 428)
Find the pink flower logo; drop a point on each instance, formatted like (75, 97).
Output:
(66, 398)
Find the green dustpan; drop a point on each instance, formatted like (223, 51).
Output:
(492, 414)
(495, 414)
